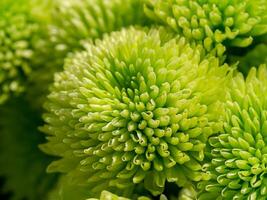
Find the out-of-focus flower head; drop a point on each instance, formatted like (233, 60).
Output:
(212, 22)
(21, 34)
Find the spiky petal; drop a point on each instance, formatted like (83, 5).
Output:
(188, 193)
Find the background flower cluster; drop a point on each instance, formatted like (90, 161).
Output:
(133, 99)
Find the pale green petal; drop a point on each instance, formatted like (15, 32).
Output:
(188, 193)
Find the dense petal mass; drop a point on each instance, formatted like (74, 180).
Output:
(238, 157)
(73, 23)
(20, 36)
(134, 110)
(231, 22)
(77, 21)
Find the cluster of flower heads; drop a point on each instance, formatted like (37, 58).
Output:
(147, 95)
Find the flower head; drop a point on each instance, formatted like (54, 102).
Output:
(212, 22)
(73, 24)
(133, 109)
(83, 20)
(20, 36)
(238, 158)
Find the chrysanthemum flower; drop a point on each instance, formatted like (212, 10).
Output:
(73, 23)
(21, 162)
(20, 35)
(134, 110)
(84, 20)
(238, 157)
(212, 22)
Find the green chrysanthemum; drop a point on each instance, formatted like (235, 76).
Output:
(239, 156)
(21, 162)
(252, 58)
(20, 35)
(212, 22)
(133, 109)
(73, 23)
(81, 20)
